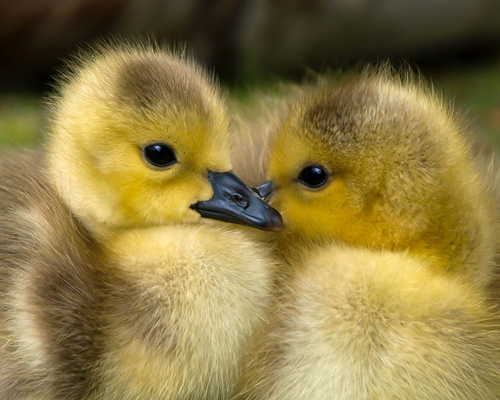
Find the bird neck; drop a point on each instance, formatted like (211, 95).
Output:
(461, 240)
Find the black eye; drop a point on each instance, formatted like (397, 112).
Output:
(313, 176)
(159, 154)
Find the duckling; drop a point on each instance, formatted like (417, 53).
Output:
(120, 277)
(388, 252)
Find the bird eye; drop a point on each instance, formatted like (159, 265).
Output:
(313, 176)
(159, 154)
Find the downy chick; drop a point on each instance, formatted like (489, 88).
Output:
(389, 249)
(113, 286)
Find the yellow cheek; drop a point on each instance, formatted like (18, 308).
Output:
(307, 221)
(322, 215)
(146, 202)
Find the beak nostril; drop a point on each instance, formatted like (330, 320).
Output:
(240, 200)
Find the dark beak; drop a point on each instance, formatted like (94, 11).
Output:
(234, 202)
(264, 190)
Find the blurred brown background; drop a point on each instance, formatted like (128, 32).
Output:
(247, 38)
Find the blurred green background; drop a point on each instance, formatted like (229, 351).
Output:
(252, 43)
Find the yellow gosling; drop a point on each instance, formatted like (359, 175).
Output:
(116, 282)
(389, 248)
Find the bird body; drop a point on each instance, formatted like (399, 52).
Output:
(112, 285)
(50, 288)
(364, 324)
(389, 252)
(182, 297)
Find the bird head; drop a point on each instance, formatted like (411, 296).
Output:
(140, 138)
(379, 162)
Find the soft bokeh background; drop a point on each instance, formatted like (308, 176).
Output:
(250, 43)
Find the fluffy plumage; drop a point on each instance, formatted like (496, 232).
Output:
(255, 115)
(111, 285)
(388, 264)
